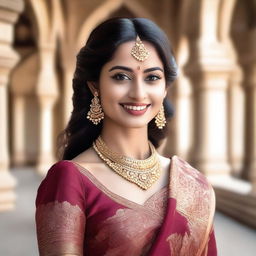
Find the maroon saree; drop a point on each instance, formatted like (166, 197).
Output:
(76, 214)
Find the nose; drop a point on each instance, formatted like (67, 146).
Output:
(138, 90)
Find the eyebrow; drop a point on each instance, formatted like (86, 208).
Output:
(153, 69)
(121, 67)
(130, 70)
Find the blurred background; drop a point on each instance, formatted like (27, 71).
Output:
(214, 127)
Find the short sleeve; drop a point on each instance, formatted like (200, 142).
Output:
(60, 211)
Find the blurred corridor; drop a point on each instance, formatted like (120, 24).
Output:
(214, 127)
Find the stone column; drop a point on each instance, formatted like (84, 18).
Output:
(250, 123)
(46, 152)
(183, 118)
(69, 62)
(235, 90)
(47, 92)
(183, 107)
(9, 11)
(209, 68)
(236, 122)
(18, 140)
(67, 94)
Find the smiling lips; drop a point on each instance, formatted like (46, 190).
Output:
(135, 109)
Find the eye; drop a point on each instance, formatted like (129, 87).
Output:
(120, 77)
(152, 78)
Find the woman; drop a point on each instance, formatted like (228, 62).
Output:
(112, 193)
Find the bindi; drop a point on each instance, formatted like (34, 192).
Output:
(138, 67)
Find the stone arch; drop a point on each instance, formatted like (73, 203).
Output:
(226, 10)
(41, 17)
(243, 22)
(181, 136)
(29, 64)
(59, 122)
(22, 89)
(25, 36)
(47, 21)
(192, 22)
(24, 111)
(104, 11)
(243, 26)
(235, 91)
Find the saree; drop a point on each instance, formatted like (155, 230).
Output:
(76, 214)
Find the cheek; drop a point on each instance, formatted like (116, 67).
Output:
(112, 92)
(159, 93)
(110, 95)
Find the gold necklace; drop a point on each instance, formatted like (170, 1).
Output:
(143, 173)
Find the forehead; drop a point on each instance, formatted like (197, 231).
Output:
(122, 56)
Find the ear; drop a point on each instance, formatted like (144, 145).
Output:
(165, 93)
(93, 87)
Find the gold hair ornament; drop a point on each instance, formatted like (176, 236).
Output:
(139, 52)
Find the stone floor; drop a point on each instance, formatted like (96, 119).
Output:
(17, 228)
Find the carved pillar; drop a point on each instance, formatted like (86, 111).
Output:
(47, 92)
(67, 95)
(184, 113)
(235, 90)
(250, 106)
(18, 115)
(209, 68)
(9, 11)
(68, 58)
(236, 122)
(183, 107)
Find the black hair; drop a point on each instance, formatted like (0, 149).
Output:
(98, 50)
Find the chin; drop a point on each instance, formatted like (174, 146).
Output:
(134, 125)
(130, 122)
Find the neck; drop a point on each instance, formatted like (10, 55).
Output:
(128, 142)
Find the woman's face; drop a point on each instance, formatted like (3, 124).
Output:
(131, 92)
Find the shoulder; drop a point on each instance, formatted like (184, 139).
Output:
(63, 165)
(63, 182)
(195, 199)
(62, 174)
(188, 172)
(188, 182)
(194, 194)
(63, 168)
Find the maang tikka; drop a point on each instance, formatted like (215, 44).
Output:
(139, 51)
(160, 118)
(95, 114)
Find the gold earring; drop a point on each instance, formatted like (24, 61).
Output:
(95, 113)
(160, 118)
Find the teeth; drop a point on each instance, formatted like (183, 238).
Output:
(134, 107)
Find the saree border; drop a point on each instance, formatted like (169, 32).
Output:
(195, 200)
(120, 199)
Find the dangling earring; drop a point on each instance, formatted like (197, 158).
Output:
(95, 113)
(160, 118)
